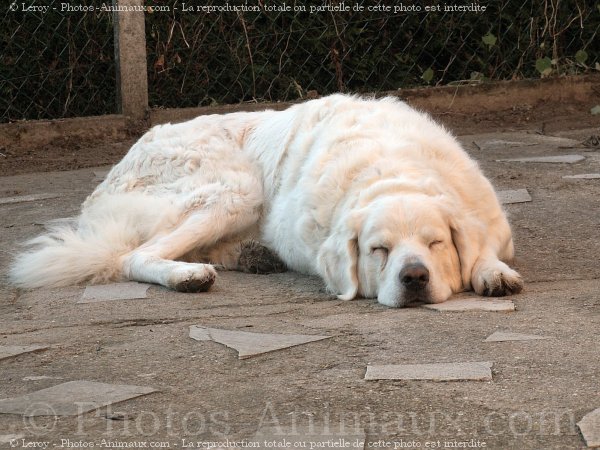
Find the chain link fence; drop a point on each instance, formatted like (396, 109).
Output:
(227, 56)
(61, 63)
(54, 62)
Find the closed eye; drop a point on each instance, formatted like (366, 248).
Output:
(380, 249)
(382, 252)
(435, 243)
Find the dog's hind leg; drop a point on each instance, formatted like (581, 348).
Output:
(220, 215)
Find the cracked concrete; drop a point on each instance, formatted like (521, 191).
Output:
(539, 391)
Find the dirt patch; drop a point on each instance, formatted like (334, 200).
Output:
(62, 154)
(545, 118)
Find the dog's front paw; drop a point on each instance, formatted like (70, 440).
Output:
(193, 278)
(496, 279)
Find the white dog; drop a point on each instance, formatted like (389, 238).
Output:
(371, 195)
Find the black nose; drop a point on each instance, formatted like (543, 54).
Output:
(414, 276)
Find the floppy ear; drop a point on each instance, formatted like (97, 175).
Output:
(337, 259)
(467, 236)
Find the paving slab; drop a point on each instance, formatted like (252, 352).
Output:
(568, 159)
(472, 304)
(40, 377)
(8, 351)
(502, 336)
(11, 439)
(250, 344)
(476, 371)
(523, 140)
(317, 437)
(495, 144)
(71, 398)
(583, 176)
(27, 198)
(129, 290)
(514, 196)
(590, 428)
(146, 375)
(100, 175)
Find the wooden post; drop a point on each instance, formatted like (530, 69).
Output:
(130, 56)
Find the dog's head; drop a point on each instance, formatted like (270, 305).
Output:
(400, 248)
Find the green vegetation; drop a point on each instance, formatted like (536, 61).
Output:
(61, 64)
(198, 59)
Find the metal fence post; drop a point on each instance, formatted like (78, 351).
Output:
(130, 57)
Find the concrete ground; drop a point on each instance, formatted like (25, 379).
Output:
(540, 389)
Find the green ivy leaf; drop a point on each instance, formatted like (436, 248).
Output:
(428, 75)
(489, 40)
(595, 110)
(581, 56)
(544, 65)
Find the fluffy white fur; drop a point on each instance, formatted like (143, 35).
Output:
(358, 191)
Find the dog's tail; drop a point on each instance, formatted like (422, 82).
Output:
(90, 248)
